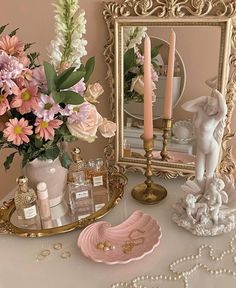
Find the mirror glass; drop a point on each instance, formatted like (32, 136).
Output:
(198, 63)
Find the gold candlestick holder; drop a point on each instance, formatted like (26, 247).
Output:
(148, 192)
(166, 126)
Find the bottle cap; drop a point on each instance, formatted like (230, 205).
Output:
(76, 155)
(22, 180)
(42, 191)
(42, 186)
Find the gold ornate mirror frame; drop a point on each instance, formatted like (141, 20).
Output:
(140, 12)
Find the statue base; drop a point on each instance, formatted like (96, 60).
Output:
(207, 213)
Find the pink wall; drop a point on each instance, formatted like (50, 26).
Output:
(35, 19)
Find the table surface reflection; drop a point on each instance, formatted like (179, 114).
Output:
(20, 267)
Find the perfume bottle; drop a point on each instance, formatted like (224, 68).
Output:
(98, 174)
(25, 201)
(77, 167)
(81, 197)
(43, 201)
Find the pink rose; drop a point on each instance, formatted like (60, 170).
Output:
(137, 85)
(93, 92)
(84, 122)
(107, 129)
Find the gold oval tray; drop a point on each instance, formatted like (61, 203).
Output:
(117, 183)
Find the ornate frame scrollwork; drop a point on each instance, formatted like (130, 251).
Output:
(176, 10)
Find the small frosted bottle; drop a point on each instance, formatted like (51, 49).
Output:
(43, 201)
(26, 203)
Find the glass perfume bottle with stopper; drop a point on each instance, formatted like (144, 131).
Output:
(26, 203)
(98, 174)
(77, 167)
(81, 197)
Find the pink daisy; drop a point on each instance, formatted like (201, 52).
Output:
(45, 129)
(46, 108)
(26, 100)
(17, 131)
(4, 104)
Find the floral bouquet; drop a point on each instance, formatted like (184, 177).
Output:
(134, 64)
(42, 106)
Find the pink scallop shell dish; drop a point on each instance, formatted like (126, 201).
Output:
(131, 240)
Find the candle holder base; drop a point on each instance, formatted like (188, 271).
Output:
(154, 195)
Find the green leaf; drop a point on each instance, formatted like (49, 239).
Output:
(38, 143)
(65, 160)
(25, 160)
(155, 50)
(89, 67)
(52, 152)
(58, 97)
(73, 79)
(2, 28)
(129, 60)
(33, 57)
(28, 45)
(9, 160)
(13, 33)
(68, 97)
(51, 76)
(64, 75)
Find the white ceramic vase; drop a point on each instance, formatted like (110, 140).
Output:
(52, 173)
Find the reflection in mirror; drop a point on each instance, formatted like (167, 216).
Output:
(190, 76)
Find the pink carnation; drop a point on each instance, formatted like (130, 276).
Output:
(10, 70)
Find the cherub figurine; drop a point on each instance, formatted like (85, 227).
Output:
(215, 197)
(195, 211)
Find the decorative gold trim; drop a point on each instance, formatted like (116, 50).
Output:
(117, 183)
(178, 11)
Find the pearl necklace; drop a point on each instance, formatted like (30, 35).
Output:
(183, 276)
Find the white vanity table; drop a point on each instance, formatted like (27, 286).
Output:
(19, 267)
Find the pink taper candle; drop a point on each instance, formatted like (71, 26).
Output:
(148, 120)
(167, 114)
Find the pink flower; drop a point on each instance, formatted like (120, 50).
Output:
(46, 129)
(80, 87)
(93, 92)
(10, 69)
(39, 78)
(17, 131)
(107, 129)
(11, 45)
(84, 122)
(14, 47)
(26, 100)
(4, 104)
(46, 108)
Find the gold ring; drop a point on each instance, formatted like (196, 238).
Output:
(57, 246)
(65, 255)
